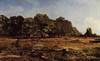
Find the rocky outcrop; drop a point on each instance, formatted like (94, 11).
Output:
(3, 21)
(30, 26)
(66, 27)
(76, 32)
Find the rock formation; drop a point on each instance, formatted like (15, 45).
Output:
(41, 24)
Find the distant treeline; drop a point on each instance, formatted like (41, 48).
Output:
(38, 26)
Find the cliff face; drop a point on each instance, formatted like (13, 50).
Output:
(3, 21)
(41, 25)
(66, 27)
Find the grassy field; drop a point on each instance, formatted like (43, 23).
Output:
(64, 42)
(76, 47)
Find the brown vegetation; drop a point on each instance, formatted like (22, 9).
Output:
(49, 49)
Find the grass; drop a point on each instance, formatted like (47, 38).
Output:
(76, 46)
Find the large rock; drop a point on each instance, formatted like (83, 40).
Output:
(40, 22)
(66, 27)
(3, 21)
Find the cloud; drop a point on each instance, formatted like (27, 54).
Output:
(12, 10)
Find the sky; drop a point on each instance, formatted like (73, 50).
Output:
(82, 13)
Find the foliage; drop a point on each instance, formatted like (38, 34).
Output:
(89, 33)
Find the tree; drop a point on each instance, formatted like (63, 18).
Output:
(88, 32)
